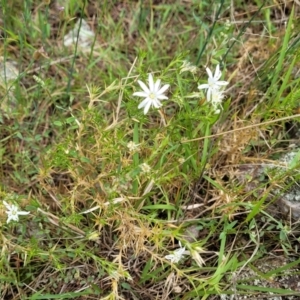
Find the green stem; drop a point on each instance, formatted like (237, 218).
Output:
(136, 158)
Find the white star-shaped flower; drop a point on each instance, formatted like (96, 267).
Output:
(213, 84)
(177, 254)
(152, 94)
(13, 212)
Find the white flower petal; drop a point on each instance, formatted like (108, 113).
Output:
(140, 94)
(151, 84)
(143, 103)
(23, 213)
(170, 257)
(218, 73)
(208, 71)
(156, 104)
(9, 218)
(157, 85)
(7, 205)
(144, 86)
(162, 97)
(146, 108)
(179, 251)
(222, 82)
(163, 89)
(203, 86)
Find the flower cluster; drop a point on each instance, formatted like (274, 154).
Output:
(214, 88)
(145, 168)
(154, 93)
(133, 147)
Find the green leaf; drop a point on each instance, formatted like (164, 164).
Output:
(58, 123)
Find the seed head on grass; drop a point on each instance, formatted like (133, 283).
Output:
(152, 94)
(133, 147)
(188, 67)
(13, 212)
(145, 168)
